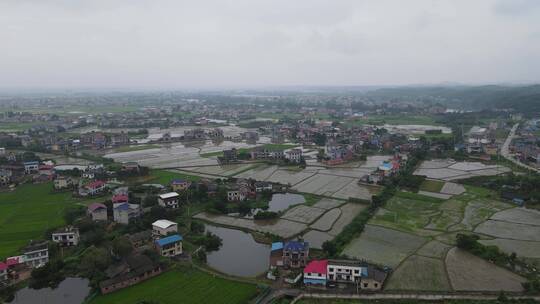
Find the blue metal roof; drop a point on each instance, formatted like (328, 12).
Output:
(277, 246)
(295, 246)
(169, 240)
(122, 206)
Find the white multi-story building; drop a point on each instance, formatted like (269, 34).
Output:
(294, 155)
(163, 228)
(169, 200)
(68, 236)
(36, 254)
(346, 271)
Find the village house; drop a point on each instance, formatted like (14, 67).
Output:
(130, 167)
(294, 155)
(337, 154)
(118, 139)
(194, 134)
(68, 236)
(262, 153)
(169, 200)
(3, 272)
(123, 213)
(292, 254)
(374, 280)
(36, 254)
(5, 177)
(97, 211)
(31, 167)
(346, 271)
(138, 268)
(229, 156)
(63, 182)
(315, 273)
(295, 254)
(119, 198)
(169, 246)
(92, 188)
(163, 228)
(263, 186)
(236, 194)
(140, 239)
(179, 185)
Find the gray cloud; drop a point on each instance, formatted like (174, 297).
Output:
(219, 43)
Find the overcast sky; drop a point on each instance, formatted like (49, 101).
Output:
(246, 43)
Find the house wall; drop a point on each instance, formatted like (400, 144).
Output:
(100, 215)
(370, 284)
(131, 281)
(354, 272)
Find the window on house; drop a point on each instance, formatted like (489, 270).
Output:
(376, 285)
(365, 285)
(330, 269)
(356, 271)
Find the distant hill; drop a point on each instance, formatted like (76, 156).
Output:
(521, 98)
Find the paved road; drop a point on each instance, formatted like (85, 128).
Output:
(426, 297)
(505, 150)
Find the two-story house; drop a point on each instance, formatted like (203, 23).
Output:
(169, 200)
(67, 236)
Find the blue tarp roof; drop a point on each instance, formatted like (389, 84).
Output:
(295, 246)
(169, 240)
(277, 246)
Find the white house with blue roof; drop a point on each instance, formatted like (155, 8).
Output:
(169, 246)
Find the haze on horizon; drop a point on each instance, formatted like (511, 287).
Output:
(216, 43)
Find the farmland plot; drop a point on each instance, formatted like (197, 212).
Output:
(419, 273)
(384, 246)
(470, 273)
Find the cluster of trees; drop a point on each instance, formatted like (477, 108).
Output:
(524, 185)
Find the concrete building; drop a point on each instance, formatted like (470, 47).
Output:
(36, 254)
(179, 185)
(123, 213)
(163, 228)
(169, 200)
(97, 211)
(315, 273)
(169, 246)
(63, 182)
(346, 271)
(68, 236)
(294, 155)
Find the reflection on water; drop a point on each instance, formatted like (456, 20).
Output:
(239, 255)
(69, 291)
(283, 201)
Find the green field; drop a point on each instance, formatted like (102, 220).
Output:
(408, 212)
(431, 185)
(183, 285)
(165, 177)
(27, 212)
(136, 148)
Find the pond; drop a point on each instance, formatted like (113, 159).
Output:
(239, 255)
(69, 291)
(283, 201)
